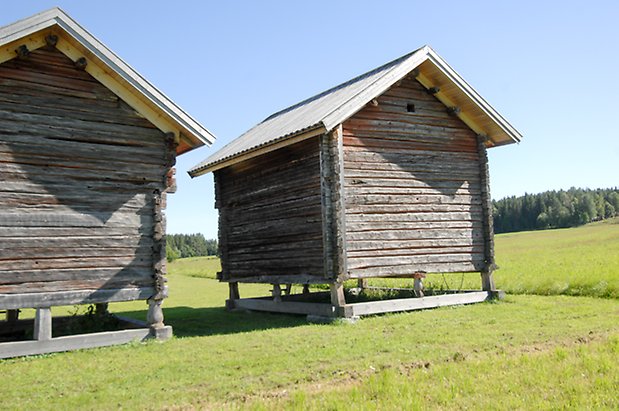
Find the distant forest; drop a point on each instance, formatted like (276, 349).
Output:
(554, 209)
(189, 245)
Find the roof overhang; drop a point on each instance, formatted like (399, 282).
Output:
(474, 110)
(454, 92)
(300, 121)
(105, 66)
(256, 151)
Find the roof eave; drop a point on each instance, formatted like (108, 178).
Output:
(283, 141)
(470, 93)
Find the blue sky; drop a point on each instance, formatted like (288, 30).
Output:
(549, 67)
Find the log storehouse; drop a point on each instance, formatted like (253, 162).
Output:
(385, 175)
(87, 154)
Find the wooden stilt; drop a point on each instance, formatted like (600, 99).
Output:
(337, 295)
(362, 283)
(277, 293)
(418, 287)
(154, 317)
(418, 283)
(101, 309)
(43, 324)
(288, 290)
(12, 316)
(234, 291)
(306, 289)
(487, 281)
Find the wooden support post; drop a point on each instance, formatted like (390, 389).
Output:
(418, 283)
(101, 309)
(306, 289)
(418, 287)
(288, 290)
(12, 316)
(234, 291)
(154, 317)
(43, 324)
(362, 283)
(487, 281)
(277, 293)
(337, 295)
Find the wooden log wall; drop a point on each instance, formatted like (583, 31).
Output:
(412, 188)
(270, 226)
(82, 182)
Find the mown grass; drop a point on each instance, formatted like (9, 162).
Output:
(575, 376)
(524, 352)
(239, 359)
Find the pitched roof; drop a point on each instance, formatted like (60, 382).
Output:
(109, 69)
(325, 111)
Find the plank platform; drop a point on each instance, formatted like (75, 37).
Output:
(351, 310)
(73, 342)
(141, 332)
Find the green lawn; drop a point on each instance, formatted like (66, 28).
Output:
(524, 352)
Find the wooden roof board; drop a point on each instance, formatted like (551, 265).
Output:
(327, 110)
(108, 68)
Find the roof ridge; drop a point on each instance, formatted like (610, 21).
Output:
(340, 86)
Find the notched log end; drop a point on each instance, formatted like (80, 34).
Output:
(81, 63)
(453, 111)
(22, 51)
(51, 40)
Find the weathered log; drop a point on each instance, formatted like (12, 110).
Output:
(79, 170)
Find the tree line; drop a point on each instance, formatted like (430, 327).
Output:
(550, 209)
(189, 245)
(554, 209)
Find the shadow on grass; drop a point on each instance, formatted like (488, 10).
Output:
(196, 322)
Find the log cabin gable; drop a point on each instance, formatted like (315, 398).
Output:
(411, 165)
(56, 29)
(326, 111)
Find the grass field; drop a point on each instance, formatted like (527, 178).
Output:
(570, 261)
(580, 261)
(525, 352)
(199, 267)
